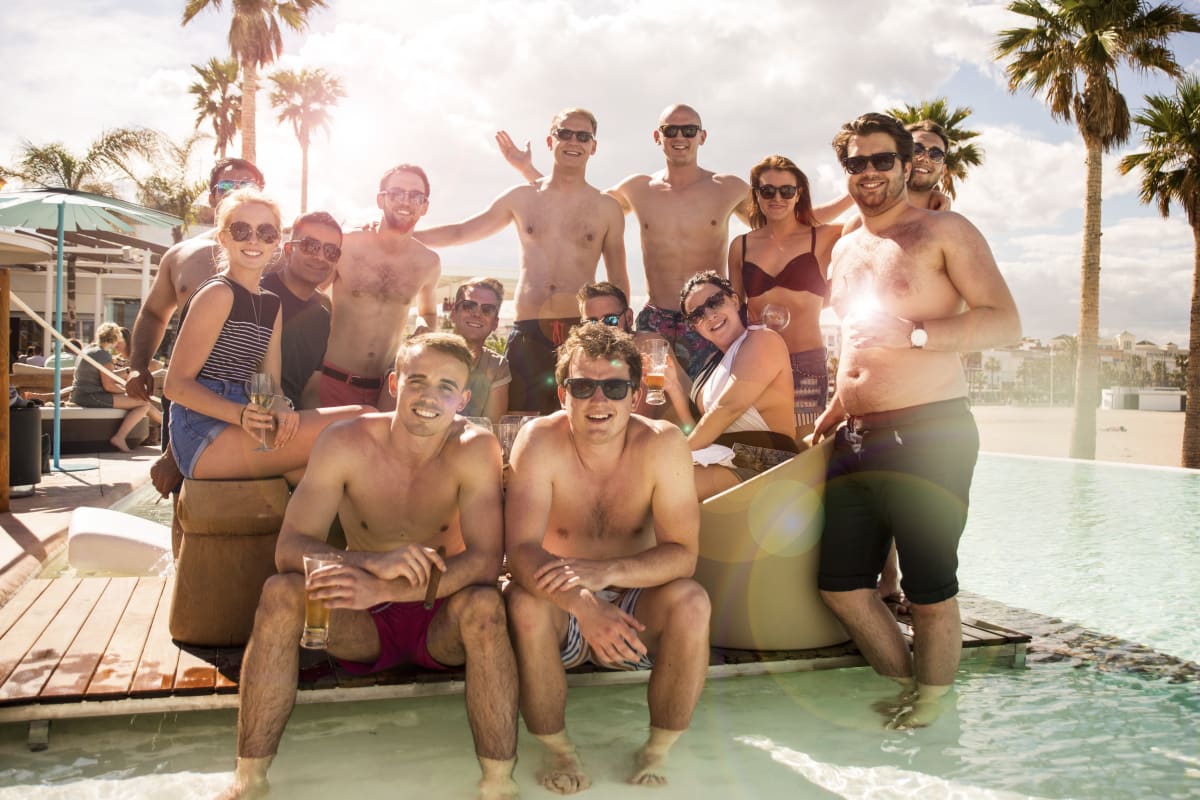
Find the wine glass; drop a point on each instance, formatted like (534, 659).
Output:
(776, 317)
(262, 394)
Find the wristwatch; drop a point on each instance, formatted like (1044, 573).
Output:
(918, 337)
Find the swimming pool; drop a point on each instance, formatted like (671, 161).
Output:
(1075, 540)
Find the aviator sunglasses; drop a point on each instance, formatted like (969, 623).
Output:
(471, 306)
(312, 246)
(583, 388)
(882, 162)
(566, 135)
(935, 154)
(611, 320)
(671, 131)
(714, 302)
(241, 231)
(414, 196)
(767, 192)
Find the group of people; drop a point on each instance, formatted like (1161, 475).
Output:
(598, 514)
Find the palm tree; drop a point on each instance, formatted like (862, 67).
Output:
(218, 100)
(256, 40)
(1071, 55)
(170, 189)
(959, 156)
(304, 99)
(1170, 170)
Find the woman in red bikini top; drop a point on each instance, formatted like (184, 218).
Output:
(784, 261)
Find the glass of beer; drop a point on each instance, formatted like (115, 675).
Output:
(316, 614)
(655, 360)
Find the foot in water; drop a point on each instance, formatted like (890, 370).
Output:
(561, 772)
(497, 782)
(249, 780)
(914, 708)
(649, 763)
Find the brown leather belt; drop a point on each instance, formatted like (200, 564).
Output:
(354, 380)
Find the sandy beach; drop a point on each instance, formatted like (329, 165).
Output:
(1134, 437)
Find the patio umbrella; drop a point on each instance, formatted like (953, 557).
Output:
(78, 211)
(23, 247)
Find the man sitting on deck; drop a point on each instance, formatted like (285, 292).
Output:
(602, 540)
(402, 483)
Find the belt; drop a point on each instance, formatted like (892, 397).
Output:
(354, 380)
(884, 420)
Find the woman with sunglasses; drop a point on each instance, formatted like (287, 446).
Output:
(743, 399)
(784, 261)
(229, 331)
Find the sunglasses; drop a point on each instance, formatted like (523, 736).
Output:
(714, 302)
(311, 246)
(225, 187)
(471, 306)
(241, 232)
(566, 135)
(935, 154)
(671, 131)
(767, 192)
(414, 196)
(882, 162)
(611, 320)
(583, 388)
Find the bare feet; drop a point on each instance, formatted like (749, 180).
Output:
(562, 772)
(165, 474)
(249, 780)
(649, 763)
(118, 442)
(497, 782)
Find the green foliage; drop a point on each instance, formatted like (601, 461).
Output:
(961, 153)
(218, 100)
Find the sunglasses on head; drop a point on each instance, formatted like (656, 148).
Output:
(882, 162)
(241, 231)
(311, 246)
(671, 131)
(566, 135)
(936, 154)
(613, 388)
(714, 302)
(767, 192)
(611, 320)
(225, 187)
(471, 306)
(414, 196)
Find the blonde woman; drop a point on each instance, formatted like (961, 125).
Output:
(96, 389)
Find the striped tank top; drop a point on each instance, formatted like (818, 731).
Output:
(244, 338)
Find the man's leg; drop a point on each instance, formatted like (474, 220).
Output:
(874, 631)
(676, 617)
(471, 627)
(937, 648)
(538, 628)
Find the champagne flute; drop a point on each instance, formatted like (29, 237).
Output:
(262, 394)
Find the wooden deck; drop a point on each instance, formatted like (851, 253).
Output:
(72, 647)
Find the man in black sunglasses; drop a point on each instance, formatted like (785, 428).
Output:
(605, 303)
(565, 225)
(930, 146)
(475, 315)
(309, 258)
(913, 288)
(602, 530)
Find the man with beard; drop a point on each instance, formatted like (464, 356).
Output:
(564, 225)
(475, 316)
(913, 289)
(683, 213)
(381, 273)
(309, 259)
(929, 162)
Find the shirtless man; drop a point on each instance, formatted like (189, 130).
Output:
(930, 146)
(433, 481)
(683, 212)
(913, 289)
(565, 225)
(602, 539)
(183, 267)
(380, 275)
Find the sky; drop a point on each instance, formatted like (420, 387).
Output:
(431, 83)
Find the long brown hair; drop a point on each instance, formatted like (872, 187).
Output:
(804, 212)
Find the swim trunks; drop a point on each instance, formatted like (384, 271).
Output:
(810, 382)
(575, 649)
(903, 474)
(403, 630)
(339, 388)
(532, 355)
(692, 350)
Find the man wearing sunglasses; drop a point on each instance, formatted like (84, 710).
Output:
(565, 226)
(913, 288)
(602, 529)
(928, 163)
(475, 316)
(380, 275)
(309, 258)
(605, 303)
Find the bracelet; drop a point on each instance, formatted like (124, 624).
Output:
(242, 416)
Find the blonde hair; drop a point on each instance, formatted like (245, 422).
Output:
(235, 200)
(108, 334)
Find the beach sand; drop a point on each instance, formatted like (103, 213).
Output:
(1133, 437)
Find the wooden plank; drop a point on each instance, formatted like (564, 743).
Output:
(155, 672)
(75, 672)
(195, 674)
(11, 611)
(21, 636)
(118, 665)
(30, 676)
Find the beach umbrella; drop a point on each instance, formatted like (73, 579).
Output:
(23, 247)
(71, 209)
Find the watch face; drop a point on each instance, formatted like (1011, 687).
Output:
(919, 337)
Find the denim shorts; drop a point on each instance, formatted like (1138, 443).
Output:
(192, 431)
